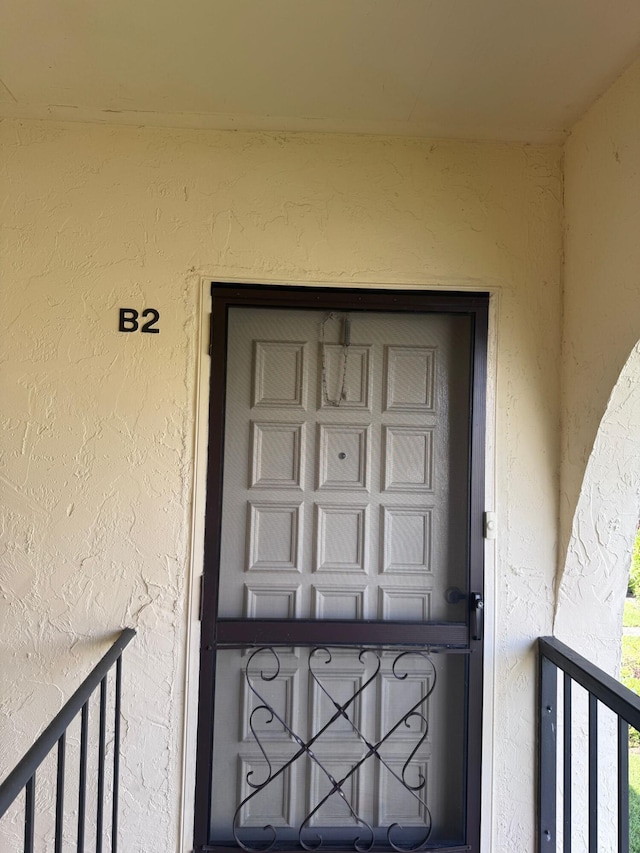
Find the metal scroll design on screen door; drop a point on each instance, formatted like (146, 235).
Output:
(310, 838)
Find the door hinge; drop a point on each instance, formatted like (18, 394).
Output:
(490, 525)
(210, 350)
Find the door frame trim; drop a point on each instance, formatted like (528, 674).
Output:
(338, 297)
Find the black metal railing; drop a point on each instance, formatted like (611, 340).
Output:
(556, 711)
(23, 777)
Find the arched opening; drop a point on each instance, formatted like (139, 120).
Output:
(594, 580)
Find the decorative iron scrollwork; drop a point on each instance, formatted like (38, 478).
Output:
(264, 666)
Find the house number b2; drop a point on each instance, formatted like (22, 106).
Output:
(129, 321)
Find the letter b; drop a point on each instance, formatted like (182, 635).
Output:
(128, 320)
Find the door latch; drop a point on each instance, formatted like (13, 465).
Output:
(477, 615)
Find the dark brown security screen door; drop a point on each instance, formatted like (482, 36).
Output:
(341, 660)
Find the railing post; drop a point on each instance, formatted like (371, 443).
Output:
(116, 756)
(101, 763)
(567, 764)
(29, 813)
(547, 754)
(623, 786)
(593, 774)
(62, 746)
(82, 776)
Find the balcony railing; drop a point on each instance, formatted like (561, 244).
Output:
(23, 777)
(574, 786)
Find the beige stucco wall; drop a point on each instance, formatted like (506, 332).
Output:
(600, 491)
(97, 426)
(602, 271)
(600, 496)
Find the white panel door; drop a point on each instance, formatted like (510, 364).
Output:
(344, 498)
(338, 477)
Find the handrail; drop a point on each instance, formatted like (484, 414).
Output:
(622, 701)
(24, 770)
(603, 690)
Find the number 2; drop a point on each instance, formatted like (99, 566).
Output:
(148, 326)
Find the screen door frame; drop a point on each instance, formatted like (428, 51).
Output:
(218, 633)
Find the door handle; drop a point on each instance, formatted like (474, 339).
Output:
(477, 615)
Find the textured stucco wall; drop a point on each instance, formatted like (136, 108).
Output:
(594, 579)
(594, 582)
(602, 271)
(97, 426)
(600, 474)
